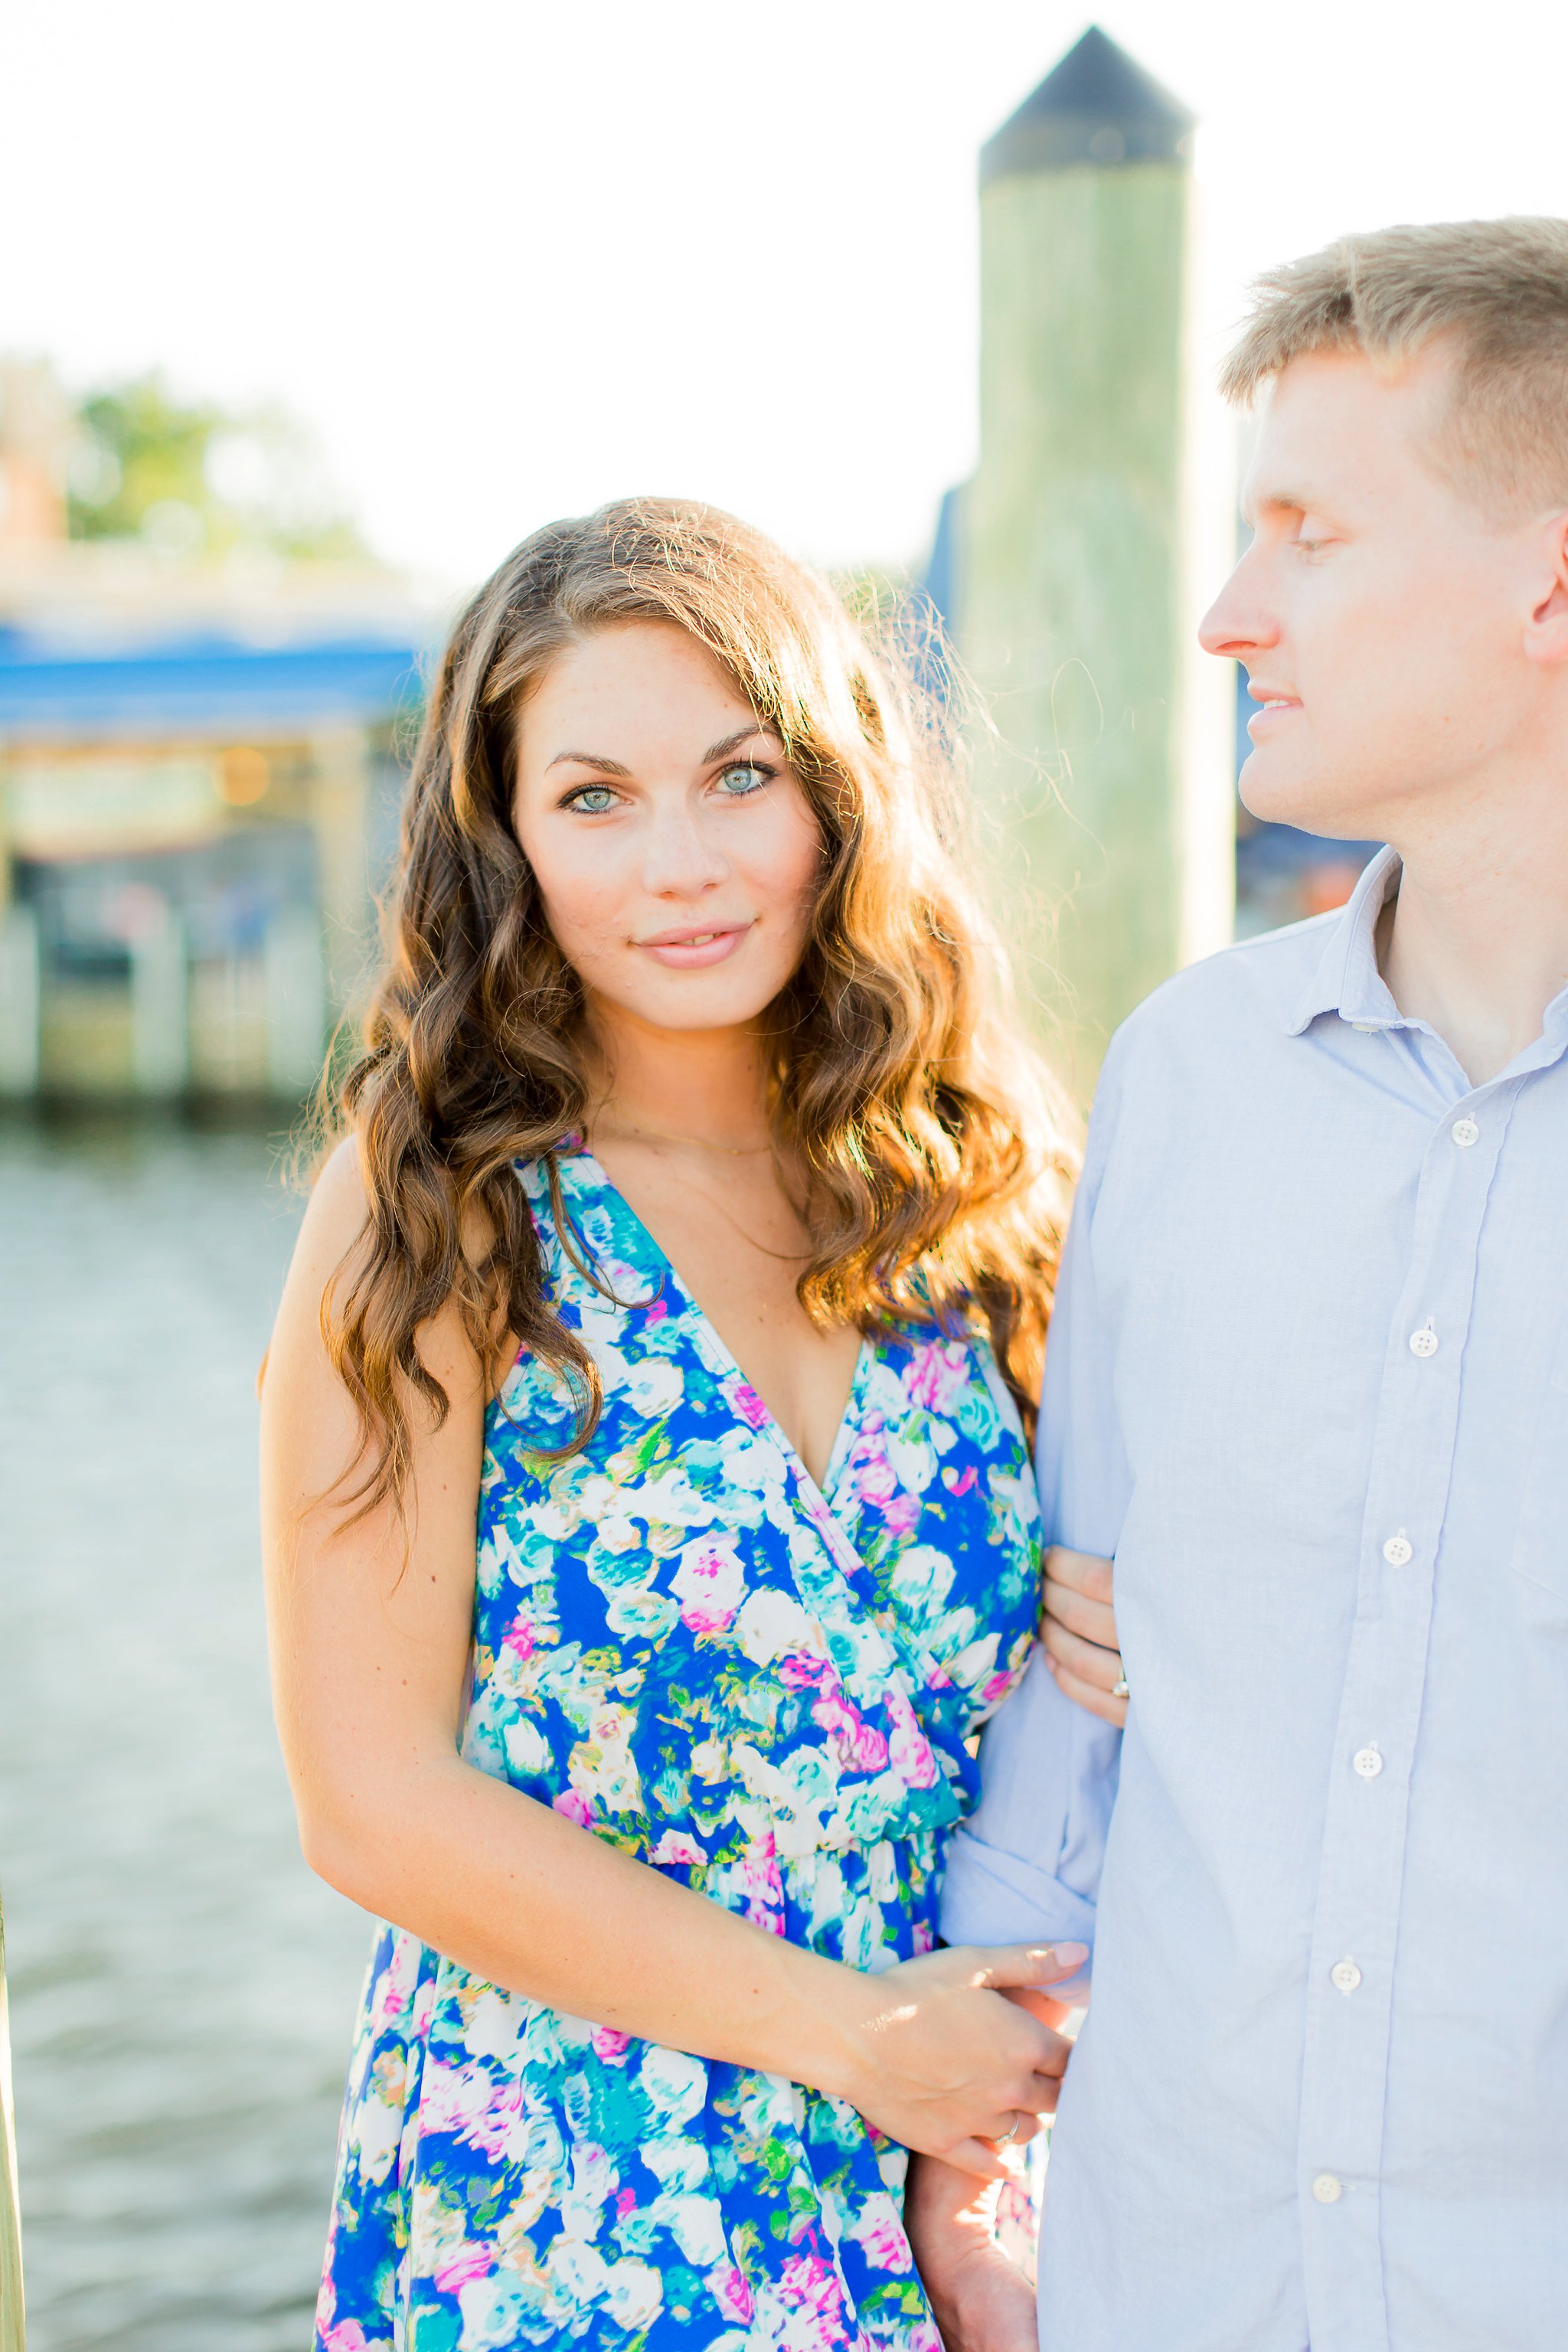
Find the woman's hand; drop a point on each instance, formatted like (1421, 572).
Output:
(1078, 1629)
(947, 2058)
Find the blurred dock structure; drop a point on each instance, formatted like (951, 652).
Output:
(198, 791)
(1071, 569)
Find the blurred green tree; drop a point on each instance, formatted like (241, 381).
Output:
(194, 478)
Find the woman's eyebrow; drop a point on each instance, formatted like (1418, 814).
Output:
(733, 742)
(589, 759)
(715, 751)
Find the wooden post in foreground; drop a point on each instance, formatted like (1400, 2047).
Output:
(13, 2324)
(1107, 793)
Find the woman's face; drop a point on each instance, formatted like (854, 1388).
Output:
(674, 847)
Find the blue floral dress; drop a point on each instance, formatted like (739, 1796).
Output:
(761, 1687)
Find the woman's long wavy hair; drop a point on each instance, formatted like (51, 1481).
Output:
(935, 1154)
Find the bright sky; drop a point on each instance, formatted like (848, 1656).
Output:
(509, 259)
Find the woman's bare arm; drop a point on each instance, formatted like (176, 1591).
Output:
(371, 1625)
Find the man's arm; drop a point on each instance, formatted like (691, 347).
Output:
(1027, 1861)
(983, 2302)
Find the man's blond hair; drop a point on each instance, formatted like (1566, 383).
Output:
(1494, 291)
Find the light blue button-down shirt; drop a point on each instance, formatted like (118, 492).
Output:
(1308, 1382)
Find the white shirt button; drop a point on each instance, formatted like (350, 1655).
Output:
(1367, 1762)
(1346, 1975)
(1425, 1341)
(1465, 1132)
(1327, 2189)
(1398, 1551)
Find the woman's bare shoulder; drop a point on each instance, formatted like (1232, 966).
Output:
(336, 1214)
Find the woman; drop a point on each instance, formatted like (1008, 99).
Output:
(694, 1243)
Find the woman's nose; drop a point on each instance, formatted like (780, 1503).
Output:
(681, 860)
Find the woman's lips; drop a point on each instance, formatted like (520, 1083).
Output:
(693, 951)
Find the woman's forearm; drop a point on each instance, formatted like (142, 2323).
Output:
(530, 1902)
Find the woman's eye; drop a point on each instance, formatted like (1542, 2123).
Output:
(593, 800)
(742, 780)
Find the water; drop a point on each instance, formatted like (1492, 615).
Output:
(181, 1988)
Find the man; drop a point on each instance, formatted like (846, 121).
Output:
(1308, 1382)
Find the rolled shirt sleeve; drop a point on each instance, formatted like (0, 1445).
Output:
(1025, 1865)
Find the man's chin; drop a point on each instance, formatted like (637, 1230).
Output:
(1310, 805)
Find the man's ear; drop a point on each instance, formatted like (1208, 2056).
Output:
(1546, 631)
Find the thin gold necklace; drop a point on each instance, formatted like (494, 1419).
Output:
(697, 1142)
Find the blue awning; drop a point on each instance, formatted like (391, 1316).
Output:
(207, 686)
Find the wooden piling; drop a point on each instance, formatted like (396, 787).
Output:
(1108, 812)
(12, 2320)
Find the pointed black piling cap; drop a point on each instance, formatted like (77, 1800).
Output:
(1097, 107)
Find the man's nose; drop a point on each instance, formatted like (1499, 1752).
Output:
(1237, 623)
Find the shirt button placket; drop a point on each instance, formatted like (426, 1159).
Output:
(1346, 2071)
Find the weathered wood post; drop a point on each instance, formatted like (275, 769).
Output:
(340, 803)
(1107, 798)
(13, 2322)
(160, 1008)
(20, 1002)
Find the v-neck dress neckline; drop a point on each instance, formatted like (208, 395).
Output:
(844, 1435)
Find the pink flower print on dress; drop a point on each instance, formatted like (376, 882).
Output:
(471, 2104)
(730, 2292)
(423, 2011)
(858, 1745)
(519, 1637)
(809, 2283)
(611, 2044)
(909, 1749)
(937, 1371)
(679, 1850)
(750, 1406)
(396, 1986)
(348, 2336)
(574, 1806)
(799, 1671)
(902, 1515)
(874, 1481)
(470, 2261)
(709, 1584)
(656, 1312)
(958, 1482)
(762, 1881)
(881, 2233)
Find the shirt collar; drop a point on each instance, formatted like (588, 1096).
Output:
(1346, 979)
